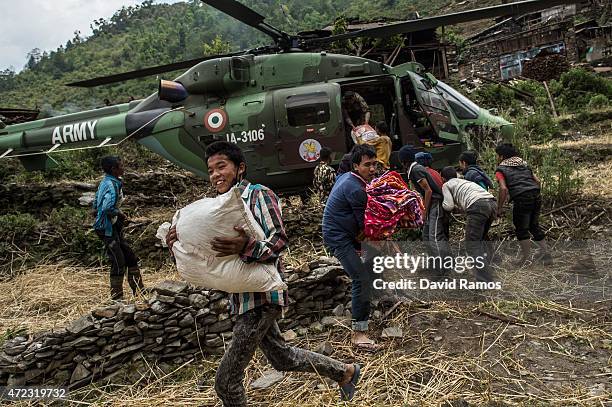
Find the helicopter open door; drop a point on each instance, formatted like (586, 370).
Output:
(430, 114)
(435, 108)
(308, 118)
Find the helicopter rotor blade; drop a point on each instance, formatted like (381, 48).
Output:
(247, 16)
(141, 73)
(521, 7)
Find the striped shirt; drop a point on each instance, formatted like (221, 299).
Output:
(265, 207)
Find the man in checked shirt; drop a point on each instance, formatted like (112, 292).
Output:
(257, 313)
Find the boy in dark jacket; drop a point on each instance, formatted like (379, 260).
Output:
(108, 226)
(472, 171)
(518, 181)
(426, 159)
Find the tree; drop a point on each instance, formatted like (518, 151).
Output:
(33, 58)
(7, 79)
(217, 46)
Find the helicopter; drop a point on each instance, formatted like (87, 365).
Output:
(280, 103)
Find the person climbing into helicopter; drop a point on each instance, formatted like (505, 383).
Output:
(109, 224)
(257, 313)
(355, 110)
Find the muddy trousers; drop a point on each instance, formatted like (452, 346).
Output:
(258, 328)
(121, 255)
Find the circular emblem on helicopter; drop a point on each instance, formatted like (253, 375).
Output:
(215, 120)
(310, 150)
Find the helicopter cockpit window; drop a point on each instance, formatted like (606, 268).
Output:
(307, 109)
(430, 98)
(463, 107)
(435, 106)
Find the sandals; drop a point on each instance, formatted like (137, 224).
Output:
(348, 390)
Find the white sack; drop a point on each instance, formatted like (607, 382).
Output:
(197, 224)
(162, 232)
(364, 133)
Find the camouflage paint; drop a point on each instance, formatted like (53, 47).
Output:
(248, 106)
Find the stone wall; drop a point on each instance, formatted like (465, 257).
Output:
(177, 323)
(40, 198)
(145, 189)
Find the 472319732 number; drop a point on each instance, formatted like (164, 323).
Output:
(32, 393)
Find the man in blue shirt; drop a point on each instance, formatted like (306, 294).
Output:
(108, 226)
(343, 225)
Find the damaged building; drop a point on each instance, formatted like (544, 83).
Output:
(424, 46)
(506, 49)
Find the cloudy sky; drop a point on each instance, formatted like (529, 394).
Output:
(47, 24)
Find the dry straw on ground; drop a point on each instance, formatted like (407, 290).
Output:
(50, 296)
(510, 352)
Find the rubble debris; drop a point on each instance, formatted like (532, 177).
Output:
(268, 379)
(545, 67)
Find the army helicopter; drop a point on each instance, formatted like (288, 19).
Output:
(280, 103)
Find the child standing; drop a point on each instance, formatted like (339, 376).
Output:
(472, 171)
(109, 227)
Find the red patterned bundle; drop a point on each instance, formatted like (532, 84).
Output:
(391, 202)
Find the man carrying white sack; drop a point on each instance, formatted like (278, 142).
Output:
(257, 313)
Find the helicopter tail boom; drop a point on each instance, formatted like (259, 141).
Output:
(33, 142)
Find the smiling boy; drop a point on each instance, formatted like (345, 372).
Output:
(256, 313)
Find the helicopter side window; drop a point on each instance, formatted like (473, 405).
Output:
(307, 109)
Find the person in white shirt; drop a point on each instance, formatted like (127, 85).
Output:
(480, 207)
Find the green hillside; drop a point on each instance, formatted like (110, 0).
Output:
(153, 34)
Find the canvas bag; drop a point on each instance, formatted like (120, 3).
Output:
(197, 224)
